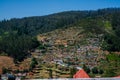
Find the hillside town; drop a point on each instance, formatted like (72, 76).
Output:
(63, 52)
(59, 39)
(57, 56)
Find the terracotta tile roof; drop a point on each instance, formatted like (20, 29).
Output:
(117, 76)
(81, 74)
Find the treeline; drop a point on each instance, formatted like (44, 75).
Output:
(42, 24)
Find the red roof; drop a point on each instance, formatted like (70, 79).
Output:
(81, 74)
(117, 77)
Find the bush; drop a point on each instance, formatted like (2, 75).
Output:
(95, 70)
(72, 72)
(101, 71)
(50, 73)
(33, 63)
(4, 70)
(87, 69)
(110, 73)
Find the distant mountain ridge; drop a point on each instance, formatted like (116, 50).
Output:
(42, 24)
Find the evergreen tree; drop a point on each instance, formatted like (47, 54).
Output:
(87, 69)
(95, 70)
(72, 71)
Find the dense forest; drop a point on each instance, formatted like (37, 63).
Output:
(17, 36)
(42, 24)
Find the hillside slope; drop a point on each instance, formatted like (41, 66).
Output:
(88, 39)
(42, 24)
(77, 48)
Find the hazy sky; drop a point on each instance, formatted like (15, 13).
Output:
(23, 8)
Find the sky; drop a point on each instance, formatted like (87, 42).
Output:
(25, 8)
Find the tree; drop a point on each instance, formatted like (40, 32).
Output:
(87, 69)
(101, 71)
(34, 60)
(110, 73)
(4, 70)
(95, 70)
(116, 23)
(72, 71)
(50, 73)
(33, 63)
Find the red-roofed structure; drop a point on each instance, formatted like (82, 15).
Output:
(81, 74)
(117, 76)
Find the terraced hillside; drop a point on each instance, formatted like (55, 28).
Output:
(67, 40)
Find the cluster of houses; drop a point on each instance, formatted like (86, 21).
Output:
(68, 55)
(88, 54)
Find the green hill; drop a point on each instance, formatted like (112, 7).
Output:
(94, 22)
(42, 24)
